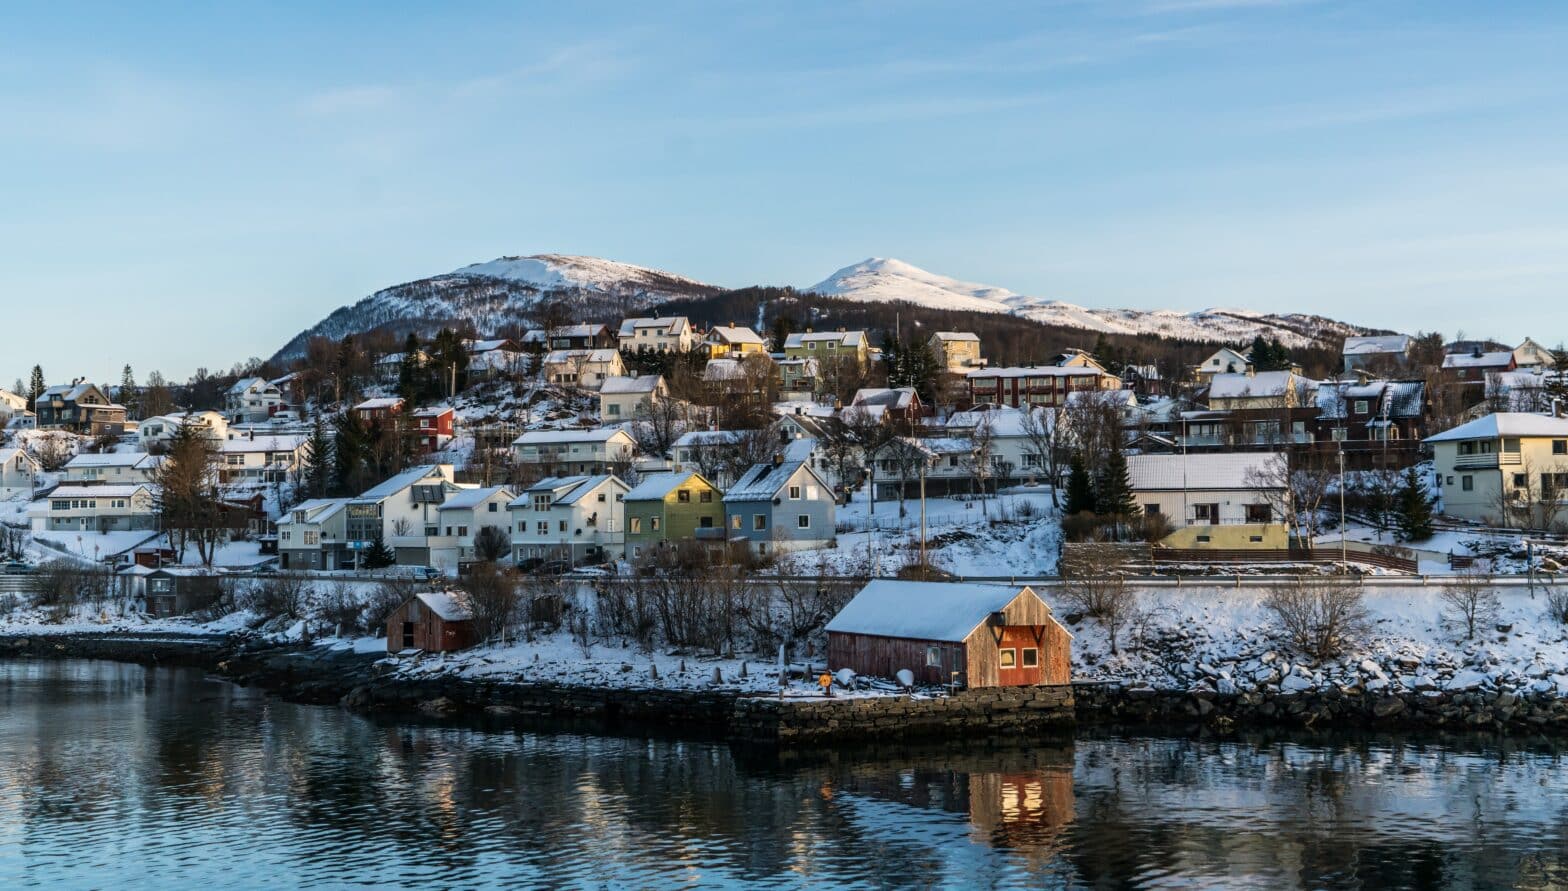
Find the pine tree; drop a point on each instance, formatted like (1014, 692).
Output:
(321, 462)
(350, 453)
(1080, 494)
(35, 388)
(378, 555)
(1414, 509)
(128, 396)
(1113, 491)
(410, 373)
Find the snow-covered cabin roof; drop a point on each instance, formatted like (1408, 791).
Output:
(656, 486)
(671, 326)
(803, 408)
(468, 499)
(1113, 398)
(1508, 423)
(722, 370)
(734, 335)
(69, 392)
(1395, 399)
(488, 346)
(1208, 471)
(887, 397)
(116, 491)
(560, 357)
(937, 611)
(267, 442)
(451, 606)
(762, 481)
(956, 337)
(7, 454)
(316, 510)
(559, 437)
(401, 481)
(700, 438)
(1376, 344)
(1005, 422)
(844, 338)
(1235, 385)
(246, 383)
(1495, 359)
(625, 384)
(379, 402)
(432, 411)
(113, 459)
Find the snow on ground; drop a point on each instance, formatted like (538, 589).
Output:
(1016, 533)
(1223, 639)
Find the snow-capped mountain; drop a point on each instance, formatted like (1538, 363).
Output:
(508, 289)
(881, 279)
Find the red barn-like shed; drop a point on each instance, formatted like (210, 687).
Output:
(987, 635)
(435, 622)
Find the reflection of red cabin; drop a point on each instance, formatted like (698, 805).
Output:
(433, 428)
(986, 635)
(434, 622)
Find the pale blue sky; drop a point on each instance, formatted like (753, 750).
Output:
(187, 186)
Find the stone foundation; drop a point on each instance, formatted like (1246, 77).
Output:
(994, 711)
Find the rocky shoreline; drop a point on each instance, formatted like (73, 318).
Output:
(320, 675)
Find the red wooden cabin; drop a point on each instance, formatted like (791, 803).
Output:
(434, 622)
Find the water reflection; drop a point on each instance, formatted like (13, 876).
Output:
(119, 776)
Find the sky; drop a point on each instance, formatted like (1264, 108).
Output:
(189, 185)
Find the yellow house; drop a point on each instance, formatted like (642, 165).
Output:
(1214, 500)
(733, 342)
(1507, 468)
(958, 351)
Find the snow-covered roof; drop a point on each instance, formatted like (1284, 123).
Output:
(118, 491)
(886, 397)
(69, 392)
(561, 357)
(1376, 344)
(112, 459)
(624, 384)
(698, 438)
(846, 338)
(487, 346)
(671, 326)
(1395, 399)
(761, 482)
(1499, 359)
(1241, 386)
(1502, 424)
(956, 337)
(735, 334)
(468, 499)
(656, 486)
(1209, 471)
(379, 402)
(401, 481)
(267, 442)
(432, 411)
(1036, 371)
(1005, 422)
(7, 454)
(451, 606)
(1110, 398)
(559, 437)
(245, 383)
(723, 370)
(939, 611)
(317, 510)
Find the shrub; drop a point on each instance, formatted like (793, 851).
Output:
(1319, 615)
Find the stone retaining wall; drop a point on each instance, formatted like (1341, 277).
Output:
(971, 713)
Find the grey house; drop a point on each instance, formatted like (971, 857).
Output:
(780, 506)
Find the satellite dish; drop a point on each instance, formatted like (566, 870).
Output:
(906, 677)
(845, 677)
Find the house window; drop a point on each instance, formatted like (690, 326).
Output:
(735, 521)
(1338, 434)
(1204, 539)
(1521, 481)
(705, 497)
(1008, 658)
(683, 496)
(1260, 513)
(1151, 510)
(493, 507)
(653, 523)
(1560, 446)
(759, 522)
(803, 521)
(794, 493)
(636, 524)
(543, 527)
(933, 657)
(1361, 406)
(1205, 513)
(1031, 657)
(601, 497)
(1467, 483)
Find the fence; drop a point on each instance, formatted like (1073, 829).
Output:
(1292, 555)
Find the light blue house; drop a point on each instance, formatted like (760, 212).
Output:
(780, 506)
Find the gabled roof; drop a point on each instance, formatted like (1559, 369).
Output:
(121, 491)
(245, 383)
(887, 397)
(956, 337)
(938, 611)
(1376, 344)
(846, 338)
(722, 370)
(672, 325)
(700, 438)
(7, 454)
(451, 606)
(657, 486)
(379, 402)
(1502, 424)
(561, 357)
(267, 442)
(401, 481)
(1497, 359)
(761, 482)
(734, 334)
(1037, 371)
(558, 437)
(1207, 471)
(565, 490)
(317, 510)
(1242, 386)
(626, 385)
(468, 499)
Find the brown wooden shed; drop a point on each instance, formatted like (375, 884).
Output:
(434, 622)
(986, 635)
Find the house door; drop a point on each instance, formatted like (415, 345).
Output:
(408, 635)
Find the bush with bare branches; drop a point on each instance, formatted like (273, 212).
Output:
(1470, 600)
(1319, 615)
(1094, 581)
(492, 596)
(281, 596)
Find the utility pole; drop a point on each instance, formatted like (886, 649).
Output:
(922, 514)
(1342, 546)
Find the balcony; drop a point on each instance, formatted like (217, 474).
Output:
(1486, 460)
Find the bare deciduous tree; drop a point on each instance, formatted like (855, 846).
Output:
(492, 597)
(1470, 600)
(1094, 581)
(1319, 615)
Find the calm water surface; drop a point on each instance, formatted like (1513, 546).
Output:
(115, 776)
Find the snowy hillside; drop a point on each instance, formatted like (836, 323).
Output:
(508, 289)
(882, 279)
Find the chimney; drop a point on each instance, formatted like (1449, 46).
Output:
(778, 458)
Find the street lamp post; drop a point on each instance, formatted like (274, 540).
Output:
(1342, 533)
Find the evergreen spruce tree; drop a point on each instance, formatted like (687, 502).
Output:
(35, 388)
(378, 555)
(410, 372)
(128, 396)
(350, 453)
(1113, 492)
(321, 462)
(1080, 494)
(1414, 510)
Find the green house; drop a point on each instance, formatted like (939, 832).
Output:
(672, 507)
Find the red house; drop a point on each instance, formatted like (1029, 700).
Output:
(379, 409)
(434, 622)
(433, 428)
(979, 635)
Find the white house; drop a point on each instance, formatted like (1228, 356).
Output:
(582, 452)
(261, 459)
(459, 520)
(1223, 361)
(1509, 468)
(110, 468)
(313, 535)
(1530, 354)
(1212, 500)
(18, 473)
(159, 430)
(252, 399)
(111, 508)
(581, 369)
(669, 335)
(13, 411)
(623, 398)
(402, 511)
(576, 518)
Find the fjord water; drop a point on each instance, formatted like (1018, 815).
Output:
(118, 776)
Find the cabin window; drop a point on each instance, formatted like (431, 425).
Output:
(1467, 483)
(683, 496)
(794, 493)
(933, 657)
(1031, 657)
(759, 522)
(653, 523)
(1560, 446)
(735, 521)
(1521, 481)
(1009, 658)
(1204, 539)
(1151, 510)
(705, 497)
(705, 521)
